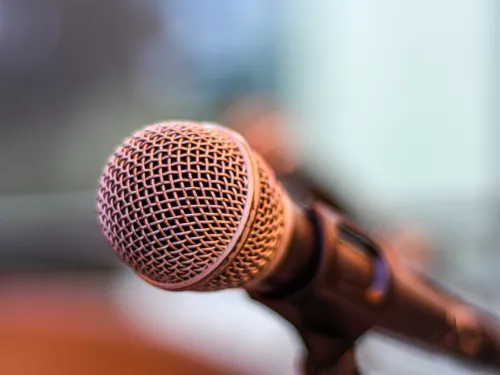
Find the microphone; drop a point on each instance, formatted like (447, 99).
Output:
(190, 206)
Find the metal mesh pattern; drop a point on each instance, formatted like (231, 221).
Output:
(171, 198)
(265, 237)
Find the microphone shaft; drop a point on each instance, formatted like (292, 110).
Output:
(335, 283)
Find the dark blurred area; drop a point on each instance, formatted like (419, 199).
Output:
(386, 111)
(57, 55)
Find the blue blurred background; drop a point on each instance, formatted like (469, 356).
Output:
(393, 103)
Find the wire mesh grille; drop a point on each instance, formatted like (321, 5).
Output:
(265, 237)
(171, 198)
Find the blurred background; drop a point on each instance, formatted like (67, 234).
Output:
(391, 105)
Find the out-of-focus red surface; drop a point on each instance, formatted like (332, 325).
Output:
(46, 329)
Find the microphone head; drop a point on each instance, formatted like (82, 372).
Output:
(189, 206)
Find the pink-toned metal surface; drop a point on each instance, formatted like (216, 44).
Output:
(190, 206)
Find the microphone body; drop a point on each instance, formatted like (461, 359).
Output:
(191, 206)
(335, 283)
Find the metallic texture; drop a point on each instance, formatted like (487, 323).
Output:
(190, 206)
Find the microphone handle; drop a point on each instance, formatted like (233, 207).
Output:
(305, 187)
(348, 284)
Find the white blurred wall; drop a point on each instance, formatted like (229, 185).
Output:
(399, 93)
